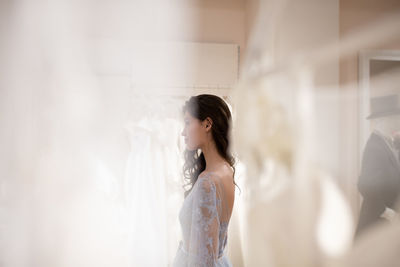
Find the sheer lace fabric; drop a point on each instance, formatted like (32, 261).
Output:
(204, 219)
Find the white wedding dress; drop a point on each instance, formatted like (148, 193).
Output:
(204, 219)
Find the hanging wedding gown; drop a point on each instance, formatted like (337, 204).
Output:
(204, 219)
(152, 187)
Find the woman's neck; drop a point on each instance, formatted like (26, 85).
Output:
(212, 157)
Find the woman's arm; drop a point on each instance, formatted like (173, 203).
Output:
(203, 244)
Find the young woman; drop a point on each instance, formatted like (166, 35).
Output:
(209, 170)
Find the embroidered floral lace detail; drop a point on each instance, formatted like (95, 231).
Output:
(204, 235)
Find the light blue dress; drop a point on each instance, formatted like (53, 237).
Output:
(204, 219)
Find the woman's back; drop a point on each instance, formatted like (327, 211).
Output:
(204, 219)
(224, 179)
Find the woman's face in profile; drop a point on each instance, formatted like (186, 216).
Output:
(193, 132)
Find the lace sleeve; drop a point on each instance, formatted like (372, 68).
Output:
(203, 244)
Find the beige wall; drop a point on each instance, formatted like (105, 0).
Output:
(356, 15)
(221, 21)
(218, 22)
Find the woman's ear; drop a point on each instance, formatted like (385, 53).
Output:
(208, 123)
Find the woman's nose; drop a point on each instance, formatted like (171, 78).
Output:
(183, 132)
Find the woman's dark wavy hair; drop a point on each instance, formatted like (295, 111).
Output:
(201, 107)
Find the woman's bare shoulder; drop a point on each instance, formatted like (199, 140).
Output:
(226, 173)
(218, 176)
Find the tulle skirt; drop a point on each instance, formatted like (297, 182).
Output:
(182, 258)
